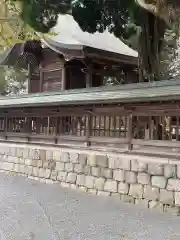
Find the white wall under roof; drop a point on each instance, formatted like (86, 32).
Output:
(69, 32)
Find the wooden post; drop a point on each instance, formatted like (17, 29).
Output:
(29, 125)
(27, 128)
(41, 79)
(89, 118)
(48, 127)
(57, 126)
(177, 128)
(5, 124)
(63, 86)
(149, 129)
(29, 78)
(38, 125)
(88, 129)
(170, 128)
(5, 127)
(88, 80)
(129, 135)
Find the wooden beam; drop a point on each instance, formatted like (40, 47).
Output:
(156, 143)
(108, 72)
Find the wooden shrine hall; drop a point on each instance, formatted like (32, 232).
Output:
(69, 101)
(73, 59)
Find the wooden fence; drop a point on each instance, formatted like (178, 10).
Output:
(155, 125)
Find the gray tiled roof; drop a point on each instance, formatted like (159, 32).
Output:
(68, 32)
(165, 90)
(72, 42)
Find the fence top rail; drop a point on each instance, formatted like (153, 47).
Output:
(130, 93)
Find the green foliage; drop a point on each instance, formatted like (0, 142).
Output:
(168, 56)
(42, 15)
(12, 28)
(120, 17)
(125, 18)
(12, 81)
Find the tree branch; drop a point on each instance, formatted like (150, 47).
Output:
(155, 9)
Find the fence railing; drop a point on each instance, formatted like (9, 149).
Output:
(135, 130)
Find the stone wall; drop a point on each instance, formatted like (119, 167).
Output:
(133, 179)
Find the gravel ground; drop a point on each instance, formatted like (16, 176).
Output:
(30, 210)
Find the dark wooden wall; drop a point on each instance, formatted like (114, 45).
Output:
(51, 71)
(34, 82)
(75, 78)
(56, 74)
(97, 80)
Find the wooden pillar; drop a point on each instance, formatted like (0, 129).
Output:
(29, 78)
(88, 129)
(88, 79)
(149, 129)
(29, 125)
(177, 128)
(5, 124)
(38, 125)
(129, 134)
(140, 75)
(48, 126)
(41, 79)
(89, 117)
(170, 128)
(5, 127)
(63, 87)
(57, 129)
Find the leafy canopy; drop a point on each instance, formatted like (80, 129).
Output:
(12, 81)
(42, 15)
(124, 18)
(12, 28)
(92, 15)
